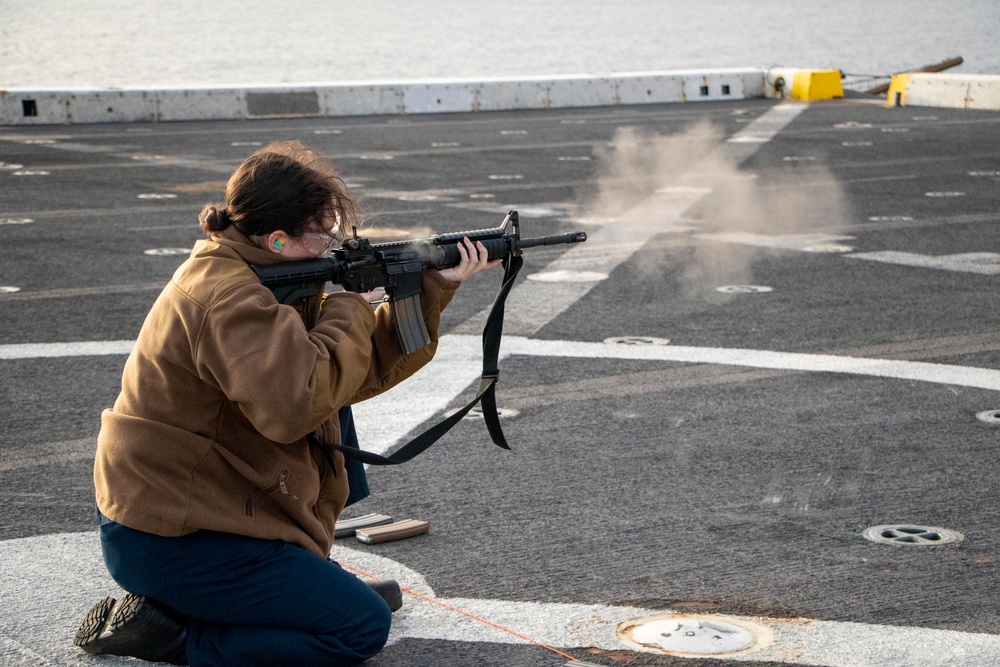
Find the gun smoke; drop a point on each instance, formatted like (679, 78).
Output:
(688, 184)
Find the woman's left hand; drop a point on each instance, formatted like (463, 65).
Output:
(474, 259)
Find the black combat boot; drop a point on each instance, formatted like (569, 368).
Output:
(135, 626)
(389, 590)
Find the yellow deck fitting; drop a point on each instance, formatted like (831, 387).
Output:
(957, 91)
(817, 85)
(804, 84)
(896, 96)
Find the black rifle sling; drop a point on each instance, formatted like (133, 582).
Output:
(486, 392)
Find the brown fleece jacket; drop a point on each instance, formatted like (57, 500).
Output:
(221, 389)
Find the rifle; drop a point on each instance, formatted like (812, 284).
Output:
(361, 266)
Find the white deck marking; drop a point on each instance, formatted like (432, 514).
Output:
(803, 242)
(986, 263)
(386, 419)
(81, 349)
(382, 423)
(962, 376)
(61, 576)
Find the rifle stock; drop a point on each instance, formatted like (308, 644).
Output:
(361, 266)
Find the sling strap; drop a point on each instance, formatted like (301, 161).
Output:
(485, 393)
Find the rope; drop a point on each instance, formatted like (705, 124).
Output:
(470, 615)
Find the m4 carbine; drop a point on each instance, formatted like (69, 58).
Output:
(361, 266)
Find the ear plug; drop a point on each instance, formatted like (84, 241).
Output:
(278, 244)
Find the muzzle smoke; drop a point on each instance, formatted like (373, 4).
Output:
(689, 184)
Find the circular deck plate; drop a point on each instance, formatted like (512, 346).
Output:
(912, 535)
(989, 416)
(636, 340)
(691, 634)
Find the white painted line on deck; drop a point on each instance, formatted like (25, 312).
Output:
(80, 349)
(961, 376)
(382, 424)
(805, 242)
(985, 263)
(61, 576)
(386, 419)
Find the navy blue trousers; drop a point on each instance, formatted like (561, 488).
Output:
(251, 601)
(357, 479)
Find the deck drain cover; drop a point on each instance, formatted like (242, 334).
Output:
(743, 289)
(990, 416)
(636, 340)
(912, 535)
(689, 634)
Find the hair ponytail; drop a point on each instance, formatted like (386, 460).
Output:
(214, 219)
(285, 186)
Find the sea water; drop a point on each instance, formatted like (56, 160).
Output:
(153, 43)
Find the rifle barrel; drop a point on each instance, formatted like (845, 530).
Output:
(558, 239)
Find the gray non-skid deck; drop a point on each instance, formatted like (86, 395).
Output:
(730, 471)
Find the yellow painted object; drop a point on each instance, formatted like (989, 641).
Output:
(954, 91)
(896, 97)
(816, 85)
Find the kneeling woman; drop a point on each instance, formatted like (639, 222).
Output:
(216, 513)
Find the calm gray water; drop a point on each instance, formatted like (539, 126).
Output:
(149, 43)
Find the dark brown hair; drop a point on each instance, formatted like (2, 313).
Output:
(284, 186)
